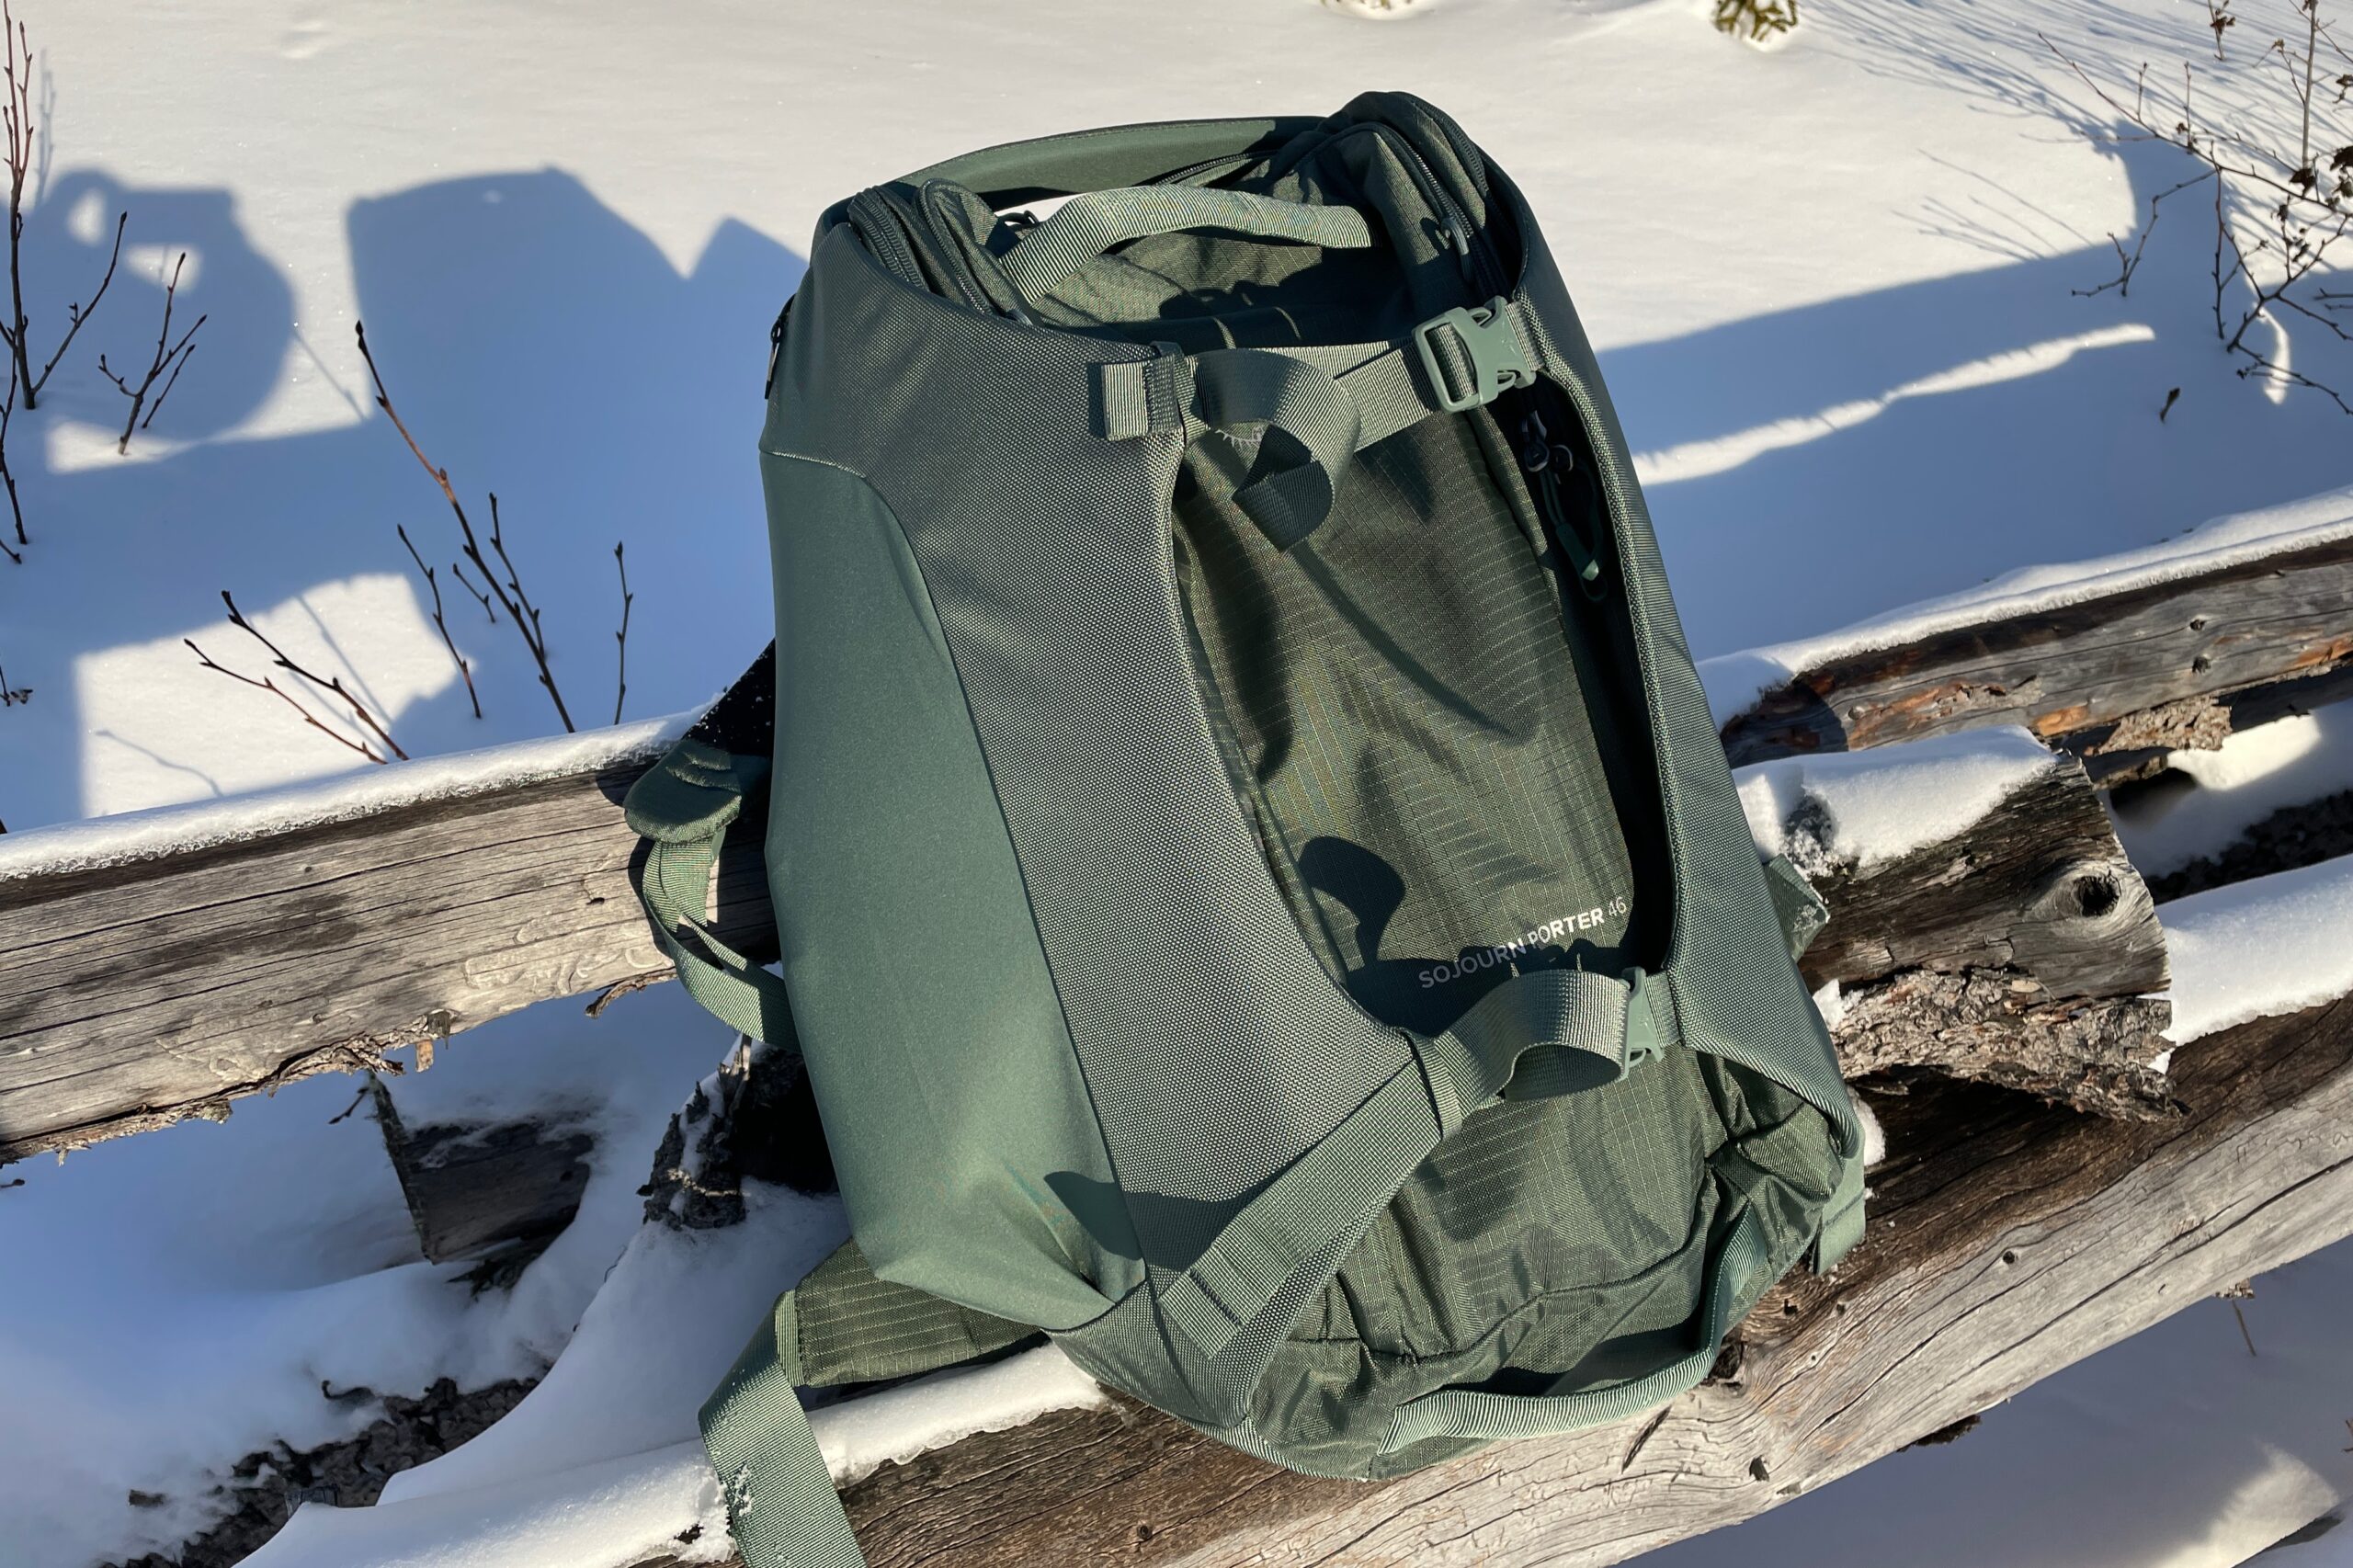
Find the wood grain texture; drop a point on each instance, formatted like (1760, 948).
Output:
(2207, 647)
(133, 997)
(2007, 1240)
(2019, 949)
(138, 994)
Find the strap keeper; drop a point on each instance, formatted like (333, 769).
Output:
(1140, 397)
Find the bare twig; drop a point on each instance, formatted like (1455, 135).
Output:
(331, 685)
(2277, 215)
(169, 355)
(2130, 262)
(442, 625)
(7, 474)
(620, 675)
(17, 115)
(510, 595)
(266, 684)
(458, 568)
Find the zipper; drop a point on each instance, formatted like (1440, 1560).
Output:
(1548, 463)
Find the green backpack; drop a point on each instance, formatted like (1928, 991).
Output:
(1261, 896)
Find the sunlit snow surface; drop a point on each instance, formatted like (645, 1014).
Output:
(1834, 289)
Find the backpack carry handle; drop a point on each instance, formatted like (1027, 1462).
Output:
(1087, 226)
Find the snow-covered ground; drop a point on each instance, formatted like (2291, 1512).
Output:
(1834, 289)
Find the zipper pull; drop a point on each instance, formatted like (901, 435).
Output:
(775, 349)
(1537, 452)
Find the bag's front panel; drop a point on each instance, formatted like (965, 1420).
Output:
(1214, 1048)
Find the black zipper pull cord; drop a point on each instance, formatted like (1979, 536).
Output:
(1546, 461)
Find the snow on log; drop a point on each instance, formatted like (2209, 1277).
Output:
(2007, 1240)
(2120, 660)
(155, 969)
(1984, 920)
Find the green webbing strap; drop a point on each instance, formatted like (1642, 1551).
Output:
(682, 807)
(1800, 909)
(1327, 401)
(1302, 407)
(1468, 1413)
(1086, 226)
(782, 1509)
(842, 1324)
(1335, 1187)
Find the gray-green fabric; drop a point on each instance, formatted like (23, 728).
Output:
(1085, 226)
(1261, 895)
(682, 808)
(857, 1328)
(1477, 1414)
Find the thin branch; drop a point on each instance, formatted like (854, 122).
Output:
(77, 313)
(7, 475)
(510, 596)
(333, 685)
(17, 113)
(169, 357)
(439, 623)
(458, 569)
(621, 676)
(2291, 215)
(265, 684)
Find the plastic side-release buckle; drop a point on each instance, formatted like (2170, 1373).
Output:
(1498, 363)
(1644, 1039)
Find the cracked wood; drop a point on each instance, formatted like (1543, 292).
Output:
(2118, 677)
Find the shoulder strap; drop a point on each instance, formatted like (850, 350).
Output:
(782, 1509)
(841, 1324)
(682, 807)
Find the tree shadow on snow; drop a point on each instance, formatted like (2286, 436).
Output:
(1806, 466)
(537, 343)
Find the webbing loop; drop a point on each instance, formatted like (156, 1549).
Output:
(1334, 400)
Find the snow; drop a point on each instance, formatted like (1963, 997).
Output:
(1833, 288)
(139, 836)
(2219, 794)
(2254, 949)
(613, 1513)
(1734, 680)
(200, 1281)
(1866, 808)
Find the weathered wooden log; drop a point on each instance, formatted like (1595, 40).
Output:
(136, 992)
(2019, 948)
(2007, 1240)
(2120, 678)
(478, 1189)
